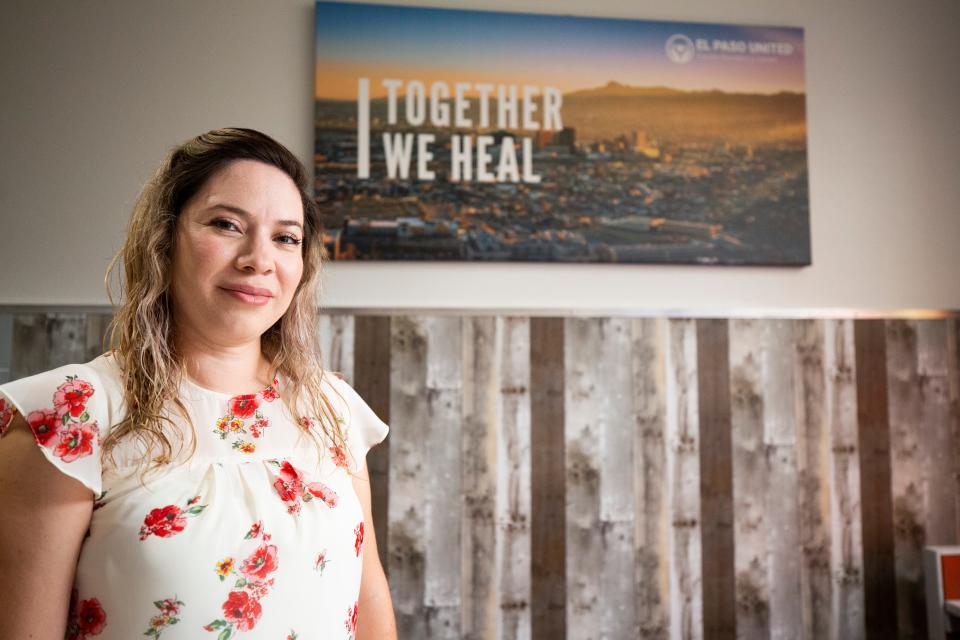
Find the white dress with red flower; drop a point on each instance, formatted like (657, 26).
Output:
(254, 536)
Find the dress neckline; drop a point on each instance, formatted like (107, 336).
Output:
(273, 386)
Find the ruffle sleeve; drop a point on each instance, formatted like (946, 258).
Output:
(363, 428)
(67, 410)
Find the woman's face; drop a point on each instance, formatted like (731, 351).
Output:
(242, 230)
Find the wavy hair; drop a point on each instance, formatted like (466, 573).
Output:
(142, 332)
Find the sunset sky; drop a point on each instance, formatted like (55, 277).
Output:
(570, 53)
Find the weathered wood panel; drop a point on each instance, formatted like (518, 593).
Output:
(97, 338)
(337, 342)
(780, 439)
(599, 436)
(512, 437)
(366, 356)
(953, 368)
(846, 557)
(479, 456)
(409, 469)
(879, 573)
(513, 478)
(652, 524)
(941, 466)
(682, 434)
(548, 479)
(750, 478)
(444, 390)
(716, 480)
(813, 472)
(907, 475)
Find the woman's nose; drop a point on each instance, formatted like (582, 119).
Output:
(256, 253)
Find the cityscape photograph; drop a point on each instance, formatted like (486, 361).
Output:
(558, 138)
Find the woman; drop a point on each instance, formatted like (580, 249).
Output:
(204, 478)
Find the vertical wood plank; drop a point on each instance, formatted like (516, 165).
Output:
(880, 592)
(30, 352)
(749, 479)
(367, 360)
(444, 387)
(613, 374)
(935, 424)
(97, 340)
(409, 467)
(846, 558)
(548, 478)
(582, 433)
(780, 438)
(6, 346)
(66, 339)
(513, 478)
(814, 480)
(599, 437)
(716, 480)
(338, 341)
(653, 526)
(683, 480)
(909, 495)
(479, 456)
(953, 374)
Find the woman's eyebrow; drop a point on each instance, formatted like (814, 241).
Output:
(242, 212)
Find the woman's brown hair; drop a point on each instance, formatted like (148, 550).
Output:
(142, 332)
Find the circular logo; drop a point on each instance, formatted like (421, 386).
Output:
(680, 48)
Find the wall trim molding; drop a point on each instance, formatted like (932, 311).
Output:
(746, 312)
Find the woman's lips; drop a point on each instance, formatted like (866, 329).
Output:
(247, 297)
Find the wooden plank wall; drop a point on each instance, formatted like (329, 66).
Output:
(642, 478)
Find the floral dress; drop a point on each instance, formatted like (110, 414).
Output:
(255, 536)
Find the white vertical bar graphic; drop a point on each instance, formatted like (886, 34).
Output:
(363, 128)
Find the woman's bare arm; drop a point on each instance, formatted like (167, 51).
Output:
(45, 517)
(375, 618)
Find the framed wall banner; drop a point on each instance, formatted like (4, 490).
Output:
(476, 135)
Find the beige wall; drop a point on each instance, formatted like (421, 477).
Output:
(94, 93)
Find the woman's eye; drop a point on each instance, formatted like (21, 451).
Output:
(220, 222)
(293, 240)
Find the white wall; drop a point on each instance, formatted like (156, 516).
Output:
(94, 94)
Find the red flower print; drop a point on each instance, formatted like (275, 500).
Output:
(321, 562)
(256, 429)
(170, 520)
(270, 393)
(351, 622)
(169, 607)
(71, 397)
(359, 541)
(259, 589)
(87, 618)
(6, 414)
(242, 610)
(260, 563)
(290, 473)
(291, 488)
(244, 406)
(254, 530)
(325, 493)
(77, 441)
(339, 457)
(163, 522)
(45, 424)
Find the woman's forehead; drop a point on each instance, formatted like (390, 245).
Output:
(251, 188)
